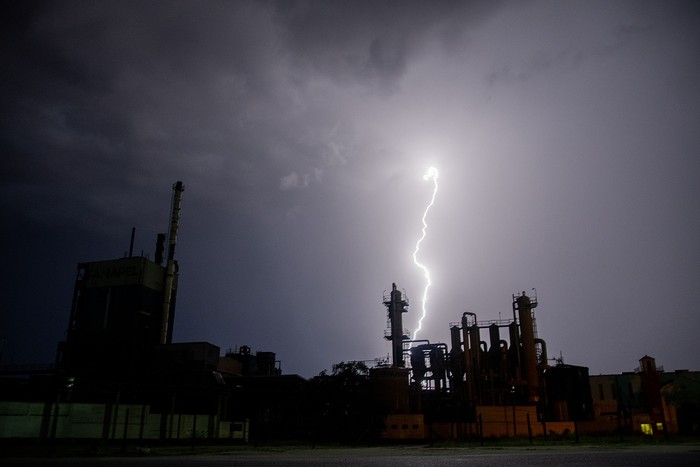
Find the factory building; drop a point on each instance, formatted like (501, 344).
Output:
(122, 309)
(647, 401)
(115, 318)
(119, 377)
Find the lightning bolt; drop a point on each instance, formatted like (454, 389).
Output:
(432, 173)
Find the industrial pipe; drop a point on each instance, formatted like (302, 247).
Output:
(543, 354)
(471, 355)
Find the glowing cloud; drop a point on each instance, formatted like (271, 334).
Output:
(431, 174)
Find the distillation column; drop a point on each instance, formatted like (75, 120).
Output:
(470, 336)
(396, 305)
(524, 306)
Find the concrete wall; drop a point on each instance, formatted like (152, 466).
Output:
(504, 420)
(495, 421)
(404, 426)
(21, 419)
(100, 421)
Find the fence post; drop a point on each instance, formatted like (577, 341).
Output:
(481, 429)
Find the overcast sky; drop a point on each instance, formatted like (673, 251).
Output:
(566, 134)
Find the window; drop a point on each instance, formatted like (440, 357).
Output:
(601, 392)
(613, 390)
(646, 429)
(659, 426)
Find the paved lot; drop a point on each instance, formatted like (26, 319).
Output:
(657, 455)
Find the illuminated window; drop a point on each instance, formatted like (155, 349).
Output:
(646, 429)
(659, 426)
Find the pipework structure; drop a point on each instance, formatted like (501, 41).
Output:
(481, 373)
(458, 383)
(500, 371)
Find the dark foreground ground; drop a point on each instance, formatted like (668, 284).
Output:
(686, 454)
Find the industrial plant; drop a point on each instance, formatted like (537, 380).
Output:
(118, 377)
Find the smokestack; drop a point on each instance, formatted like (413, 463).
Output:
(160, 248)
(131, 245)
(178, 188)
(170, 267)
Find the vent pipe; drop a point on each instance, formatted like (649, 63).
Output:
(160, 248)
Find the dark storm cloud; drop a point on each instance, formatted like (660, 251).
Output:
(132, 88)
(564, 132)
(190, 87)
(369, 42)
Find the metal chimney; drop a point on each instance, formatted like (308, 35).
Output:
(171, 265)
